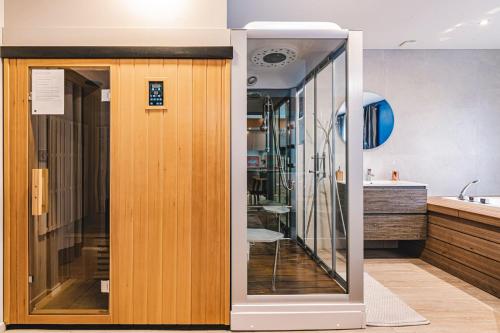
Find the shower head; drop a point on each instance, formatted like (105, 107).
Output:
(275, 57)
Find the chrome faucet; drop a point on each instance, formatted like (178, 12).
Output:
(369, 175)
(461, 195)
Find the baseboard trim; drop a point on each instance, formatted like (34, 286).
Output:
(117, 327)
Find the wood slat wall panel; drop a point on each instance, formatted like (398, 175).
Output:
(473, 244)
(471, 228)
(474, 277)
(199, 208)
(395, 227)
(395, 200)
(170, 214)
(466, 248)
(169, 194)
(470, 259)
(185, 190)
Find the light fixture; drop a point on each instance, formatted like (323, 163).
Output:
(484, 22)
(494, 11)
(407, 42)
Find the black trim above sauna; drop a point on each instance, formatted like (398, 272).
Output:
(107, 52)
(197, 327)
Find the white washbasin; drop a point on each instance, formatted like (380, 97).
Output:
(395, 183)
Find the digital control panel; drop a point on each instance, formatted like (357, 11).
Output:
(156, 92)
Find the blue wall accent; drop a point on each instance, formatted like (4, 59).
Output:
(385, 122)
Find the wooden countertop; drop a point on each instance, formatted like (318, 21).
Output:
(469, 211)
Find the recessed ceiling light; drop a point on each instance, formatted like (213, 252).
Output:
(407, 42)
(484, 22)
(448, 30)
(458, 25)
(494, 11)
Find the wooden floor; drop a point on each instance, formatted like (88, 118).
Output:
(451, 305)
(296, 272)
(83, 296)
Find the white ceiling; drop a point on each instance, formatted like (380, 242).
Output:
(309, 54)
(434, 24)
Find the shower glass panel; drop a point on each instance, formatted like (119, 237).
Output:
(69, 161)
(310, 165)
(296, 241)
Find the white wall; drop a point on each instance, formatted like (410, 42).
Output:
(116, 22)
(447, 117)
(386, 23)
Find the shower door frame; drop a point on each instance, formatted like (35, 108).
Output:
(309, 311)
(313, 251)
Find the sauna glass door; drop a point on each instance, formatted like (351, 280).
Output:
(69, 191)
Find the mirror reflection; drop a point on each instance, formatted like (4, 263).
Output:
(378, 120)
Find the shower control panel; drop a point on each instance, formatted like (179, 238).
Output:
(155, 92)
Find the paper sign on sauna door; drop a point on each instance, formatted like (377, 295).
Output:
(47, 91)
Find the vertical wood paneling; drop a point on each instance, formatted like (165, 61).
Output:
(184, 189)
(214, 73)
(139, 188)
(199, 208)
(21, 177)
(155, 172)
(226, 124)
(9, 240)
(169, 243)
(122, 197)
(169, 194)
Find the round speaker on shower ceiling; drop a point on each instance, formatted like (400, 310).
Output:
(274, 57)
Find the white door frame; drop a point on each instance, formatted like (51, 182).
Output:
(296, 312)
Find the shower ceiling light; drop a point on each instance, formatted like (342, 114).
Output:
(276, 57)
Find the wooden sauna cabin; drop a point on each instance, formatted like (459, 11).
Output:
(116, 204)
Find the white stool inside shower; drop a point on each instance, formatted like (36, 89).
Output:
(265, 236)
(277, 211)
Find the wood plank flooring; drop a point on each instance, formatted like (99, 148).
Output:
(296, 272)
(74, 295)
(452, 305)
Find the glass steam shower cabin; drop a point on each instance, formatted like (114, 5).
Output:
(303, 201)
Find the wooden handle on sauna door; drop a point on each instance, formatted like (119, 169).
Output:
(39, 191)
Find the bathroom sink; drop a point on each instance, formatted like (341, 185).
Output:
(394, 183)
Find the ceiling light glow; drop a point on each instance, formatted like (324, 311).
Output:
(484, 22)
(494, 11)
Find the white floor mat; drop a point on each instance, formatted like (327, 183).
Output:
(384, 308)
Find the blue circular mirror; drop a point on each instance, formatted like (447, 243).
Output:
(378, 120)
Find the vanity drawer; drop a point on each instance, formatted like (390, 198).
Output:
(395, 227)
(395, 200)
